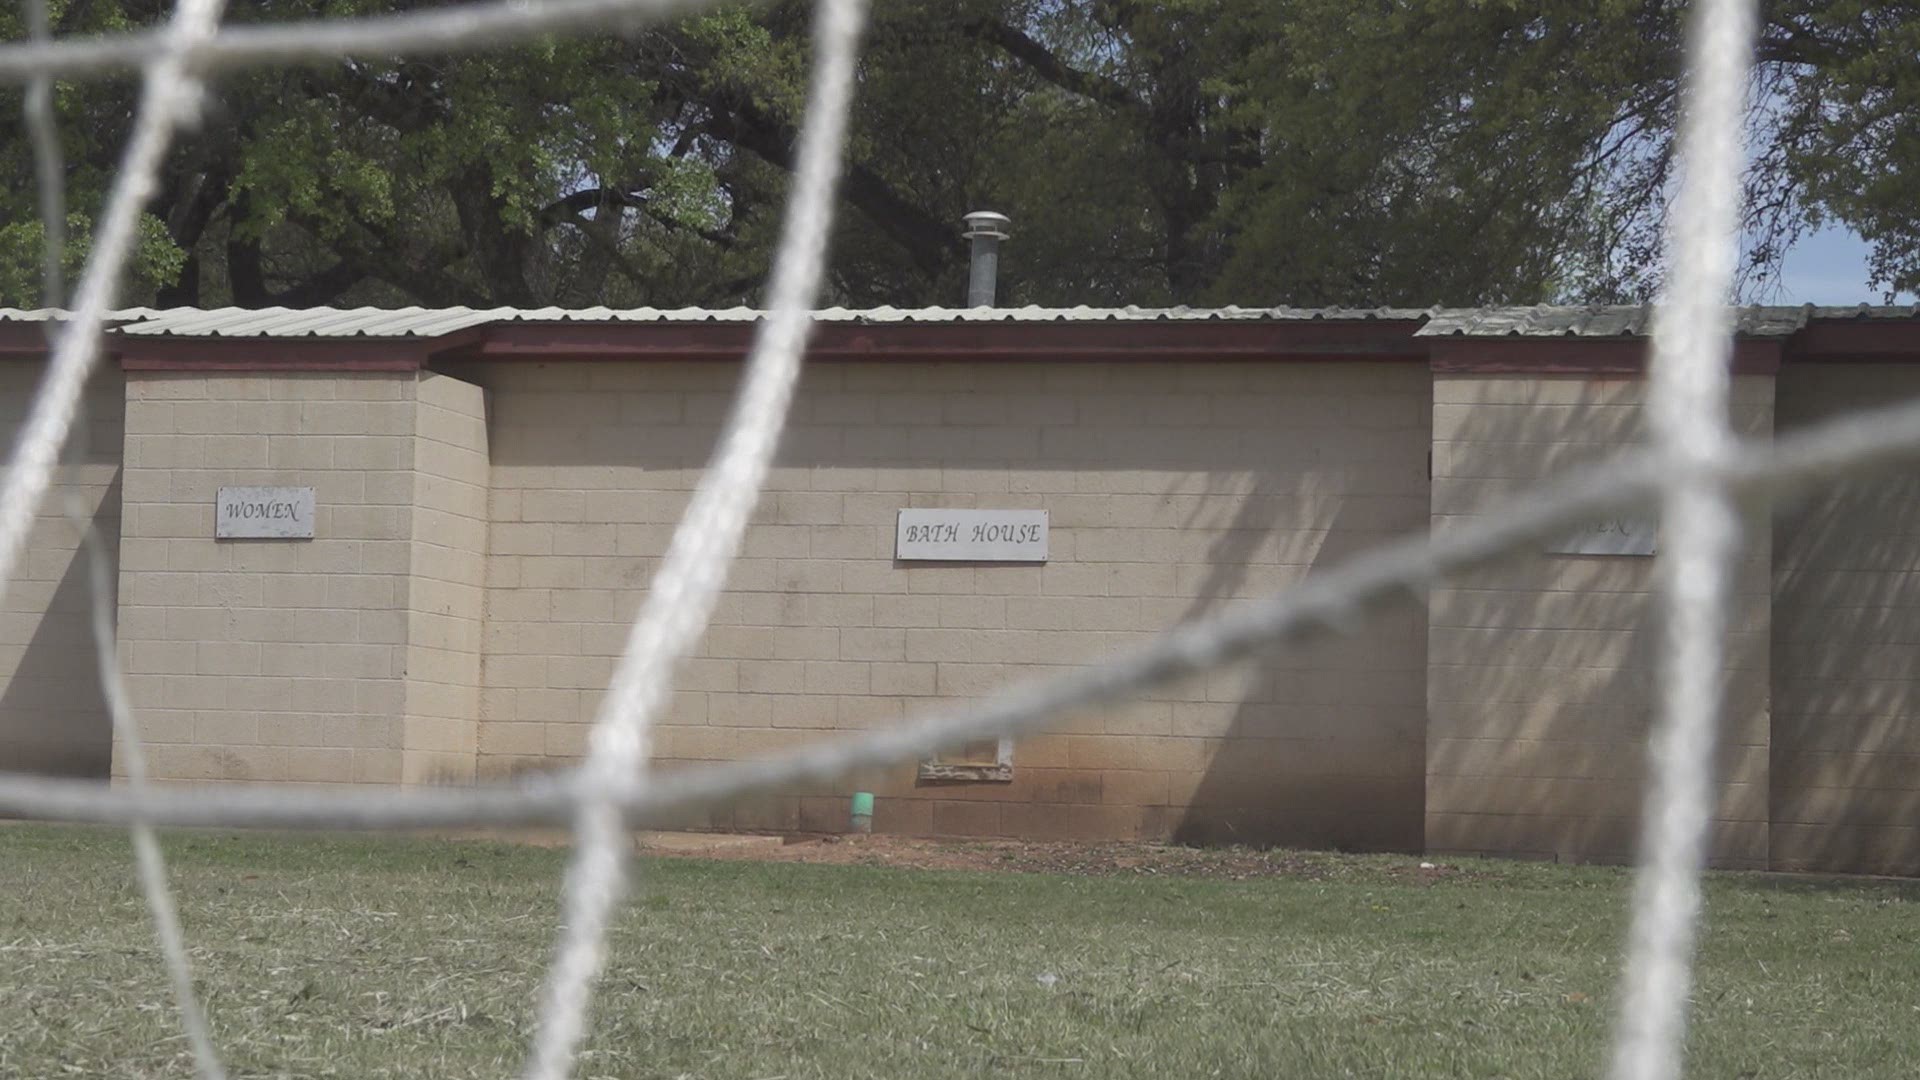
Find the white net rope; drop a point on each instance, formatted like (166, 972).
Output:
(1695, 471)
(1687, 414)
(168, 100)
(682, 595)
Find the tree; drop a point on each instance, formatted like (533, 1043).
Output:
(1841, 113)
(1172, 151)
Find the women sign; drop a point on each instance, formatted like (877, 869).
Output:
(270, 513)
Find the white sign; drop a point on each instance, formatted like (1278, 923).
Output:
(1609, 536)
(273, 513)
(971, 536)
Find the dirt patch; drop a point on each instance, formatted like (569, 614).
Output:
(1087, 859)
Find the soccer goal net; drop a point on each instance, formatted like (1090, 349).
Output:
(1694, 470)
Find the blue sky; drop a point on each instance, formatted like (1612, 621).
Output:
(1827, 267)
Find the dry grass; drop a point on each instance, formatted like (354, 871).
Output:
(415, 958)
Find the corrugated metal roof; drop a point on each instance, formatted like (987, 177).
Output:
(1864, 311)
(1547, 320)
(1597, 321)
(118, 315)
(418, 322)
(310, 322)
(1537, 322)
(432, 322)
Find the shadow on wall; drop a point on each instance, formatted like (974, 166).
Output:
(1176, 492)
(1510, 717)
(1324, 742)
(1846, 632)
(1541, 667)
(53, 712)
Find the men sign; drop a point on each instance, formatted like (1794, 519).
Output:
(1620, 535)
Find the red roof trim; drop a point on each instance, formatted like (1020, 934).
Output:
(1577, 356)
(1854, 341)
(23, 340)
(270, 354)
(1317, 340)
(985, 342)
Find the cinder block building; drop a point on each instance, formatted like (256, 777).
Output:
(403, 547)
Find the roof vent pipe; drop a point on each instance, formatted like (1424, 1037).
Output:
(986, 229)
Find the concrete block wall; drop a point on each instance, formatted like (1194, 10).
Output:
(1846, 628)
(1540, 678)
(53, 718)
(478, 562)
(290, 660)
(1174, 491)
(268, 659)
(446, 581)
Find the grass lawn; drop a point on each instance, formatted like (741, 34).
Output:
(418, 958)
